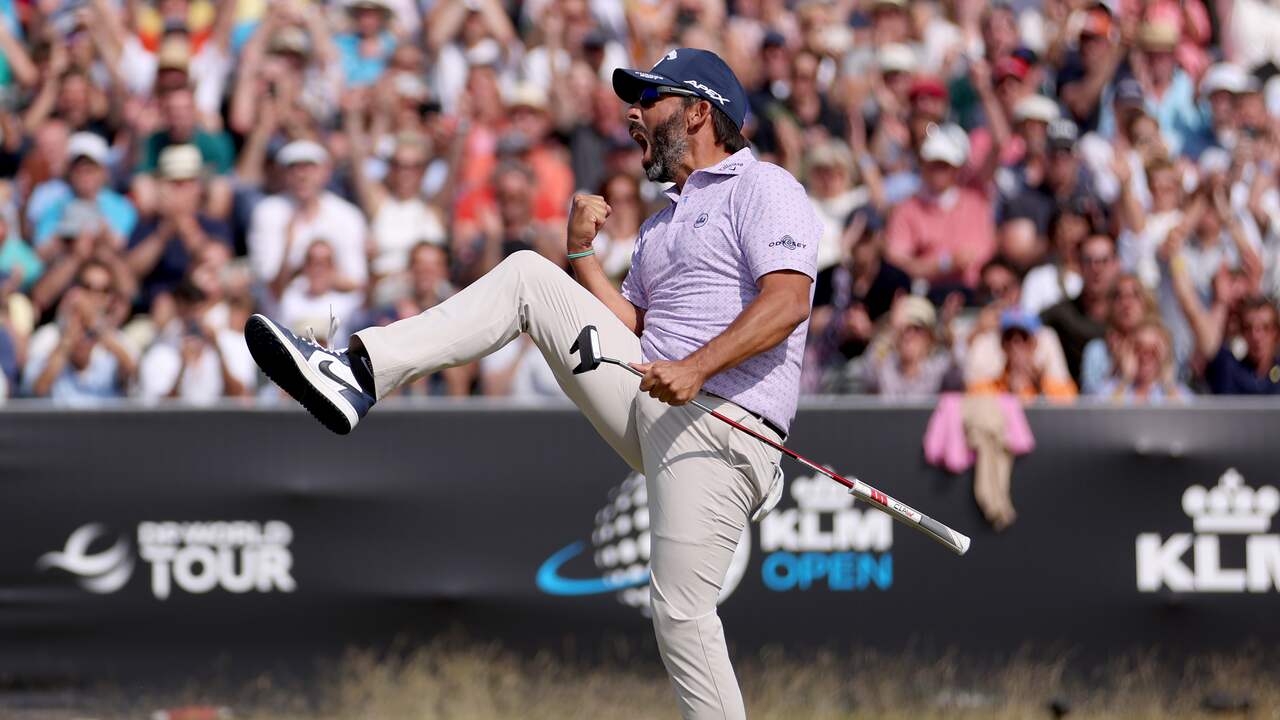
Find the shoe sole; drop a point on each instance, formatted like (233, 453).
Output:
(286, 367)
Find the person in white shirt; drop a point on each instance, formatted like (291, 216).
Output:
(194, 361)
(311, 213)
(315, 294)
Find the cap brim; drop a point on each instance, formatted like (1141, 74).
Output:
(627, 84)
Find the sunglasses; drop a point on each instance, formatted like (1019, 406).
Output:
(651, 94)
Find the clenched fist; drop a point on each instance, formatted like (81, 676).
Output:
(674, 383)
(585, 220)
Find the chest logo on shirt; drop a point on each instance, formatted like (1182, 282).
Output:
(702, 220)
(787, 242)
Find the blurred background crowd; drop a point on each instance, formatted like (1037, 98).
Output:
(1047, 199)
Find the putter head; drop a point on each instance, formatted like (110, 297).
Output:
(588, 348)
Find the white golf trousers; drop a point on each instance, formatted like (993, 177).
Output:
(703, 477)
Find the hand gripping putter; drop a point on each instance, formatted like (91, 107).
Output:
(588, 348)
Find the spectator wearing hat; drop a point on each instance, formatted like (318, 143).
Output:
(1083, 318)
(849, 299)
(283, 225)
(193, 361)
(1170, 91)
(985, 363)
(181, 126)
(831, 177)
(290, 62)
(945, 232)
(897, 137)
(1131, 306)
(364, 51)
(911, 357)
(1087, 75)
(1221, 90)
(1011, 87)
(180, 49)
(89, 196)
(162, 248)
(315, 292)
(1025, 373)
(890, 24)
(1050, 175)
(1125, 133)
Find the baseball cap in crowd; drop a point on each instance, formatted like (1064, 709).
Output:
(87, 145)
(700, 72)
(1036, 107)
(1214, 161)
(291, 39)
(595, 39)
(180, 162)
(832, 152)
(352, 5)
(773, 39)
(302, 151)
(948, 144)
(896, 4)
(1097, 22)
(874, 220)
(1227, 77)
(896, 57)
(1011, 320)
(1159, 35)
(528, 95)
(927, 86)
(174, 53)
(1063, 134)
(1129, 92)
(485, 53)
(1011, 66)
(916, 311)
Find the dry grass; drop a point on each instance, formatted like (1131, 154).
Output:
(465, 681)
(483, 682)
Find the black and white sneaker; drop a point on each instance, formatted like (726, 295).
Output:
(319, 378)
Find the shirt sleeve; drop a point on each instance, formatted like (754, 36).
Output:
(778, 229)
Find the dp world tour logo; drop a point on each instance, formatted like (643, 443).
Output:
(194, 557)
(1219, 515)
(102, 572)
(620, 553)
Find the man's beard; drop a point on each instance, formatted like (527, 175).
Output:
(667, 148)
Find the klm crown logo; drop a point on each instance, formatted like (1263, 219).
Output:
(1231, 506)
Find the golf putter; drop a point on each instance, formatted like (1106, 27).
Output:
(590, 357)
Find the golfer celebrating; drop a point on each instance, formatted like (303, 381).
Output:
(715, 308)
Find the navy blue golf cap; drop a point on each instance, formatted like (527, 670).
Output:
(701, 72)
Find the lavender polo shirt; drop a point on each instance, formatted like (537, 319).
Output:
(695, 267)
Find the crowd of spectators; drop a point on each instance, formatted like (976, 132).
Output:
(1047, 199)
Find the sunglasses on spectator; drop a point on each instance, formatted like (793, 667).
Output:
(651, 94)
(1096, 259)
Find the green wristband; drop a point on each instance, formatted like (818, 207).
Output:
(584, 253)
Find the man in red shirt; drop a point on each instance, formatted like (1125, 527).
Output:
(945, 232)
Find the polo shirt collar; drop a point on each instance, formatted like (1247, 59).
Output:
(735, 164)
